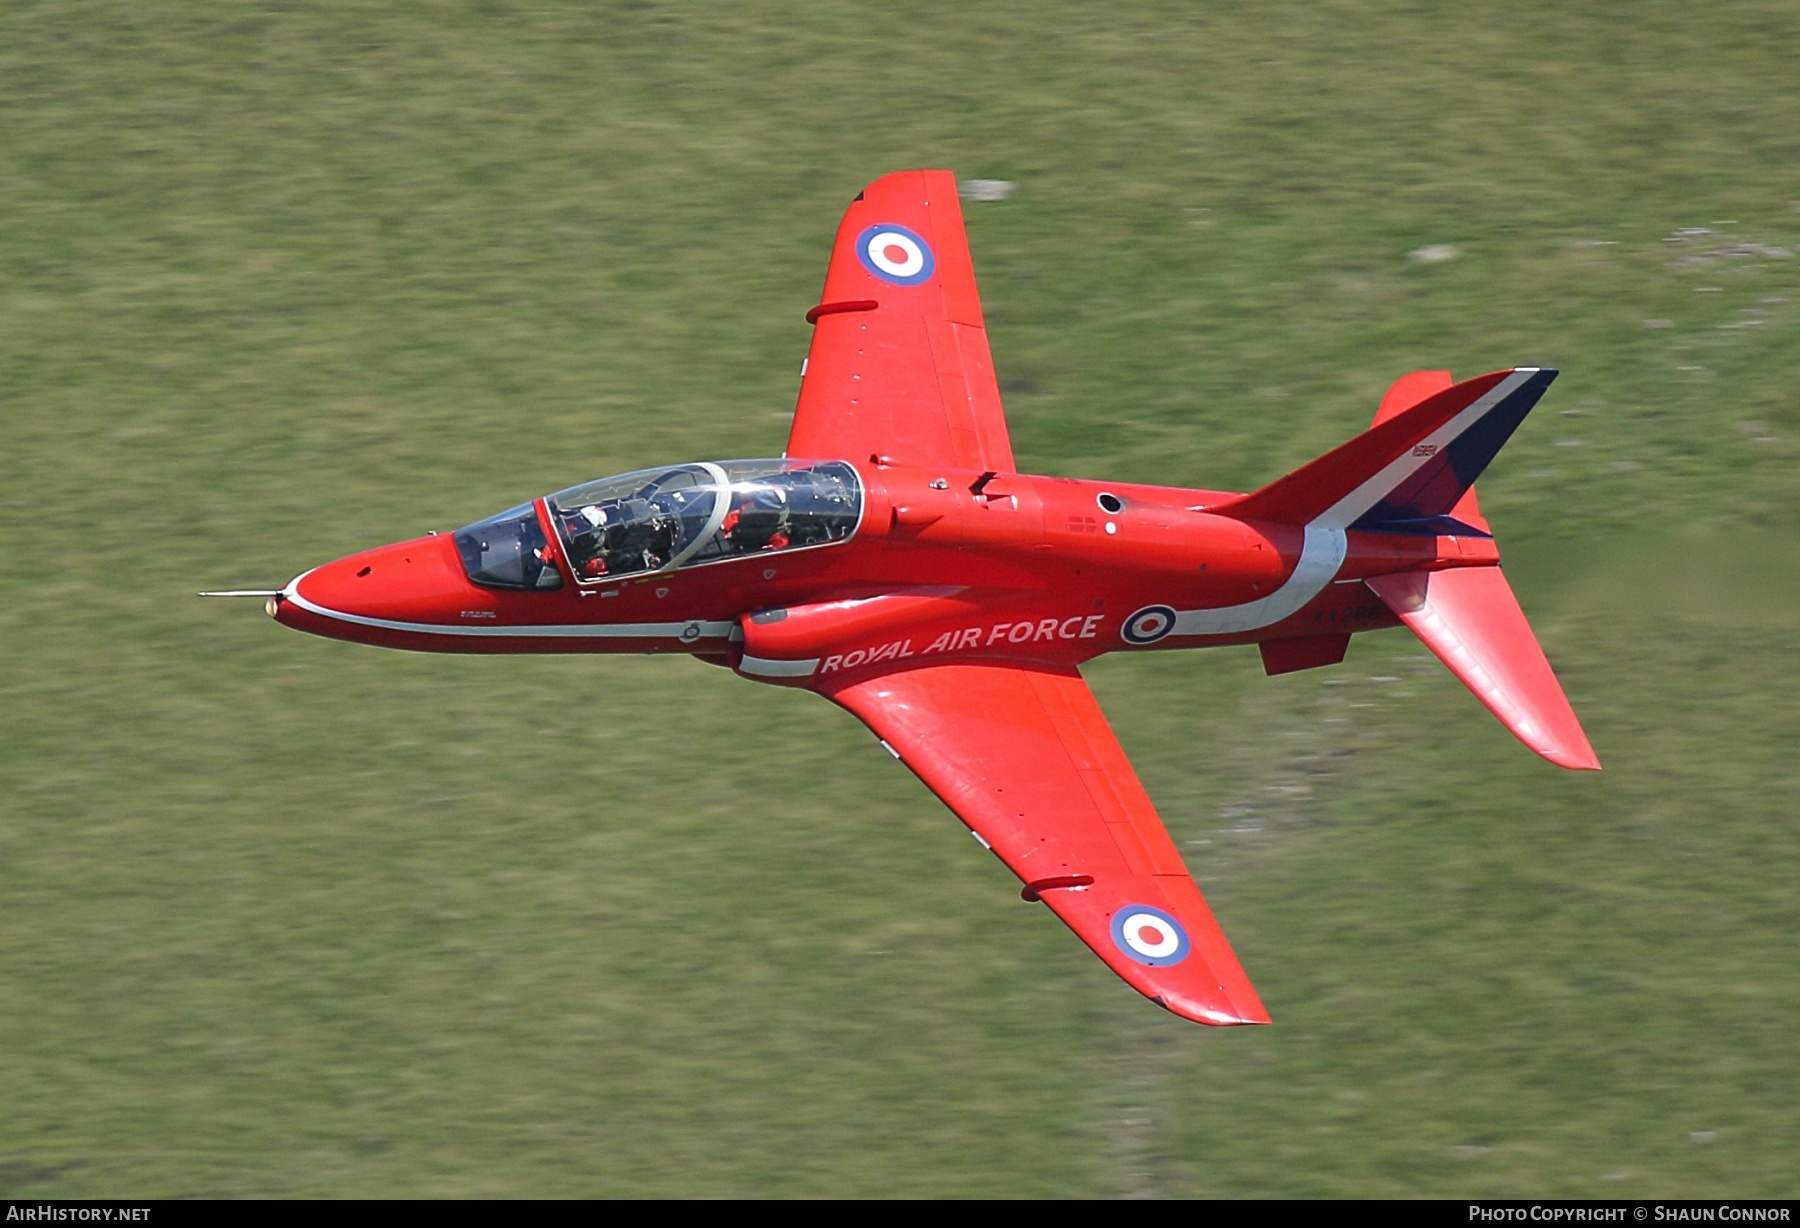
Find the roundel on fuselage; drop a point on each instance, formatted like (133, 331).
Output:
(1148, 625)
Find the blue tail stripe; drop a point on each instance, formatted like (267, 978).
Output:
(1436, 486)
(1429, 526)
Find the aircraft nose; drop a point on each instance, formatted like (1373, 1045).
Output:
(412, 582)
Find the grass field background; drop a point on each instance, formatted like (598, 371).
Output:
(282, 916)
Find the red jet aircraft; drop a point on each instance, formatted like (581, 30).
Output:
(895, 561)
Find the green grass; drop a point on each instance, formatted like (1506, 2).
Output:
(291, 917)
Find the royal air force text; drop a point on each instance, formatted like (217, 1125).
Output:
(1080, 627)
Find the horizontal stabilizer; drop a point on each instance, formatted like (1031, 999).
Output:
(1469, 617)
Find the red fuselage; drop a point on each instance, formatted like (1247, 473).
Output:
(1015, 568)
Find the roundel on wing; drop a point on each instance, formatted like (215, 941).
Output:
(1149, 935)
(1148, 625)
(895, 254)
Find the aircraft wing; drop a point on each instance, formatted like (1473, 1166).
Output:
(1025, 757)
(899, 365)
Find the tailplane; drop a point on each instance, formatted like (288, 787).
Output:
(1469, 617)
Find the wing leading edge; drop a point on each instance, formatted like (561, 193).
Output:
(1025, 757)
(899, 364)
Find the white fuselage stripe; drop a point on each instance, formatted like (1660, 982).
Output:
(687, 630)
(1323, 550)
(1320, 557)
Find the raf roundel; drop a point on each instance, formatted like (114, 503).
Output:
(1148, 625)
(1149, 935)
(895, 254)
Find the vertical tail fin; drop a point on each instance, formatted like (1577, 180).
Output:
(1408, 391)
(1407, 473)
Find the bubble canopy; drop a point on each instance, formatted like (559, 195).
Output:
(657, 520)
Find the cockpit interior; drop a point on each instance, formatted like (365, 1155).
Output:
(656, 520)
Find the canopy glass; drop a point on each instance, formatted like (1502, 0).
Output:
(660, 519)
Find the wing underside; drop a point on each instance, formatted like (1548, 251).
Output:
(1025, 757)
(899, 365)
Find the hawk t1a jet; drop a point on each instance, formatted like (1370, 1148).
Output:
(895, 561)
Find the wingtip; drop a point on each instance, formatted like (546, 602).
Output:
(1567, 747)
(1213, 1016)
(1583, 760)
